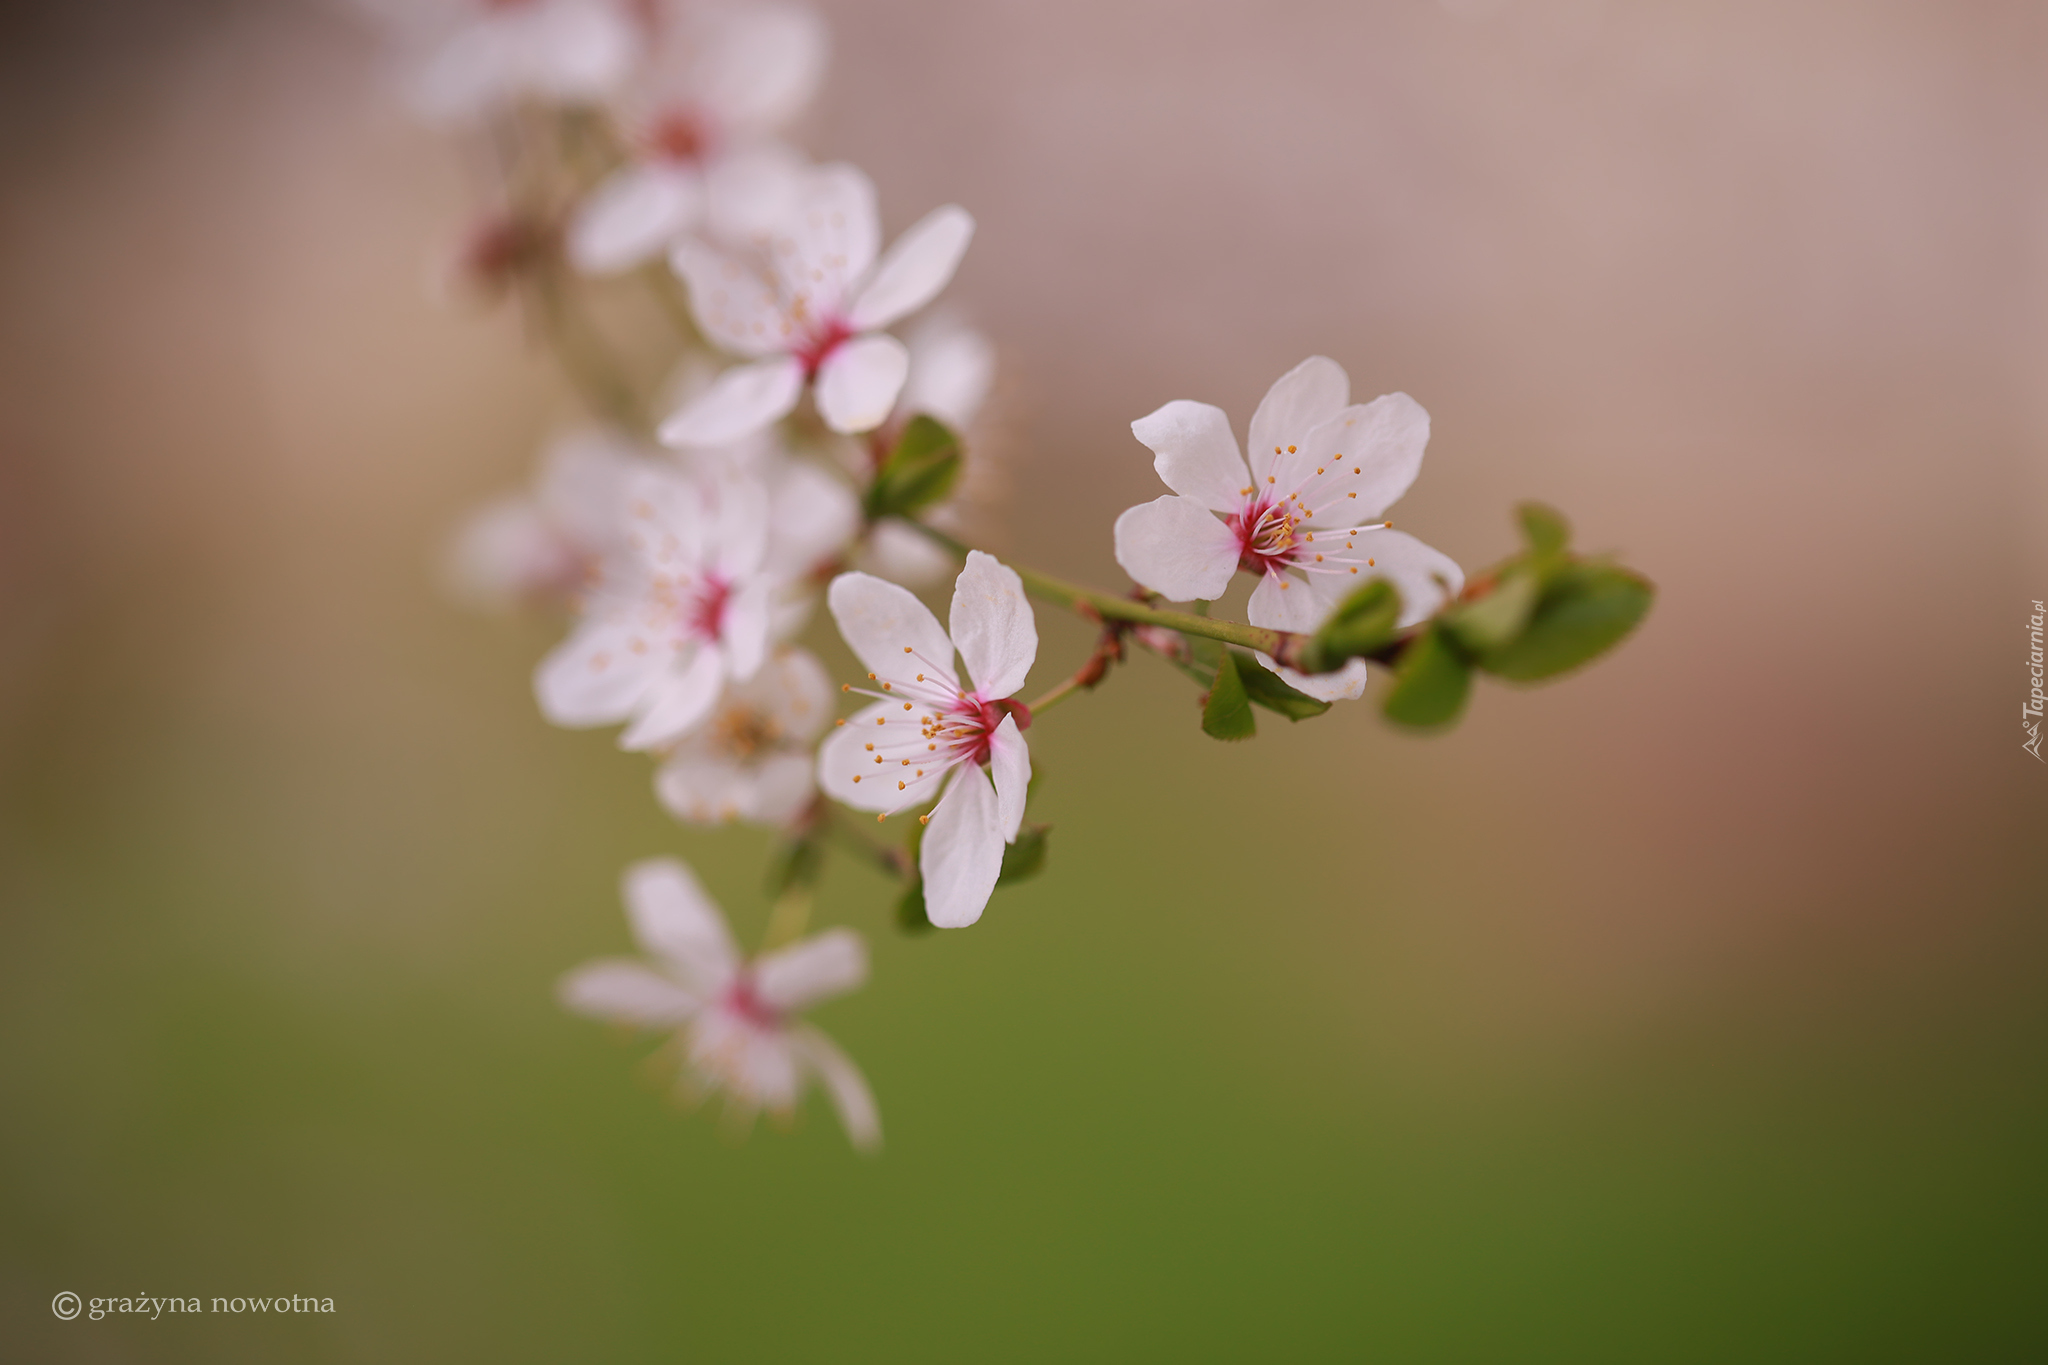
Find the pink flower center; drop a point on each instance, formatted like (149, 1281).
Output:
(1266, 537)
(680, 134)
(743, 1000)
(939, 726)
(820, 342)
(703, 611)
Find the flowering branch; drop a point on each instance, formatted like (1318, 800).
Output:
(637, 141)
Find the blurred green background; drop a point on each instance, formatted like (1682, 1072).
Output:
(1686, 1010)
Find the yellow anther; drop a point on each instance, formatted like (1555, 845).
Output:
(924, 819)
(899, 786)
(871, 677)
(1269, 477)
(1319, 559)
(906, 649)
(1371, 563)
(1290, 450)
(888, 687)
(856, 779)
(880, 818)
(871, 748)
(906, 706)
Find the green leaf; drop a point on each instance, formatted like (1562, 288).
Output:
(1431, 683)
(1026, 857)
(910, 915)
(1545, 529)
(920, 471)
(1365, 621)
(1227, 712)
(1585, 612)
(1493, 620)
(1265, 688)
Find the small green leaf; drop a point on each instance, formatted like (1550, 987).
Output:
(1265, 688)
(1365, 621)
(1227, 713)
(910, 915)
(1545, 529)
(1491, 621)
(1431, 683)
(1026, 857)
(1584, 613)
(920, 471)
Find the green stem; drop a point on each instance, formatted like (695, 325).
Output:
(1282, 645)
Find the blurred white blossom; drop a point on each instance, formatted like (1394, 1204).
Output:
(698, 120)
(751, 760)
(543, 547)
(734, 1020)
(807, 306)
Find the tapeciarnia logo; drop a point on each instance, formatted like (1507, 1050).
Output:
(2030, 713)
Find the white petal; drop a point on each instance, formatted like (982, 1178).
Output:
(962, 854)
(757, 66)
(1346, 684)
(899, 552)
(1009, 763)
(741, 401)
(858, 383)
(827, 241)
(1300, 401)
(1382, 441)
(844, 756)
(814, 519)
(699, 789)
(678, 700)
(917, 267)
(582, 484)
(736, 509)
(750, 190)
(735, 302)
(744, 631)
(673, 919)
(993, 627)
(795, 691)
(1285, 602)
(507, 553)
(1195, 454)
(596, 676)
(577, 50)
(625, 993)
(1176, 547)
(951, 368)
(887, 629)
(633, 217)
(844, 1083)
(804, 974)
(783, 786)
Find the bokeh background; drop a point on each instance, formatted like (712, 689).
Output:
(1690, 1009)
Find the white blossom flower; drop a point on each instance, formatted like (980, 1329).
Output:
(697, 121)
(471, 57)
(734, 1020)
(546, 545)
(1305, 514)
(688, 607)
(751, 760)
(809, 307)
(928, 723)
